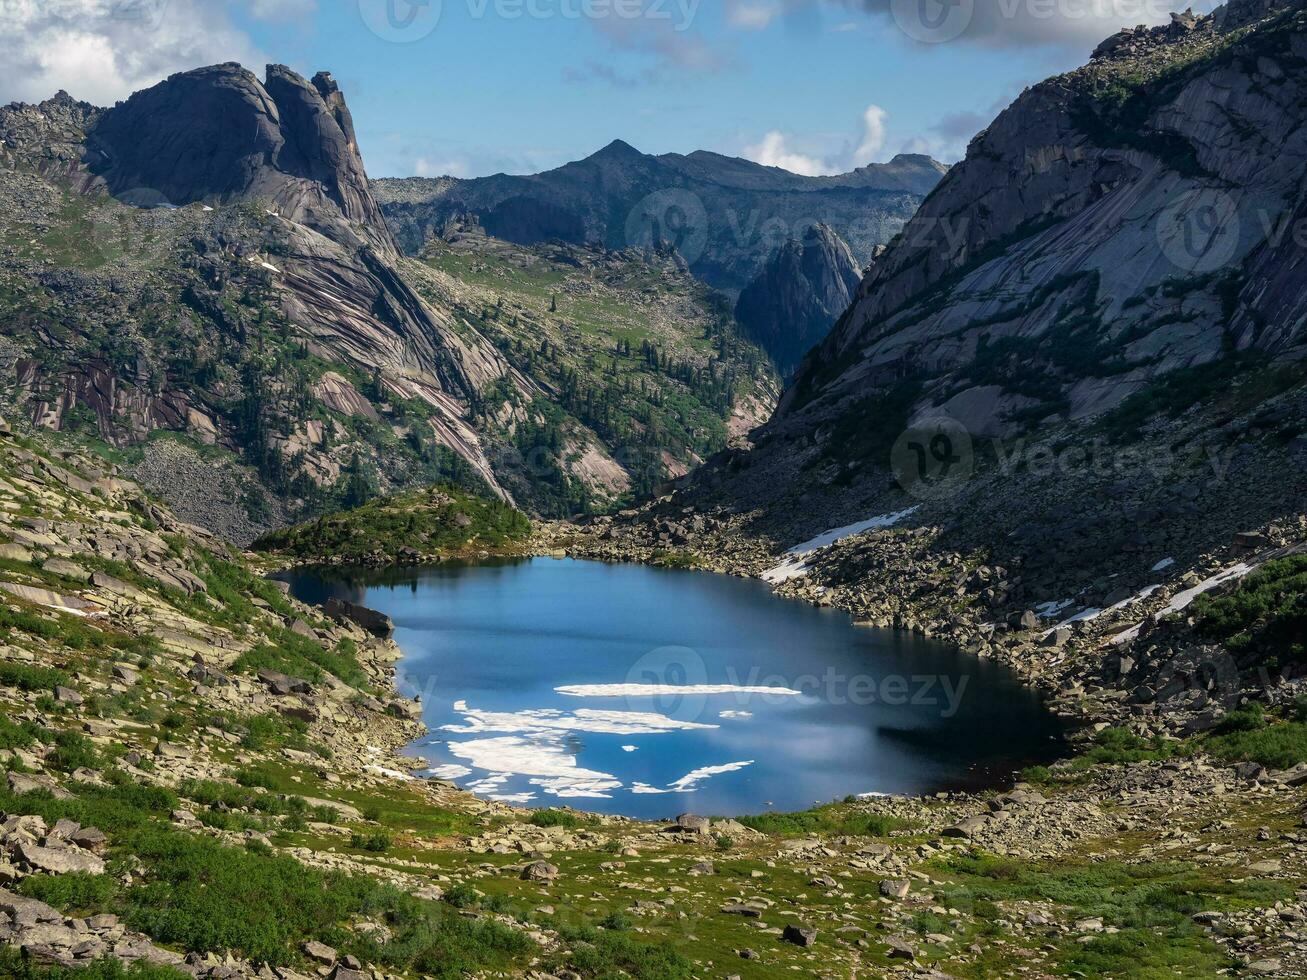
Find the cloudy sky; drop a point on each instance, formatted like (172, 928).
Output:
(472, 87)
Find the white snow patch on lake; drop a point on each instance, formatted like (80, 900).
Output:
(450, 771)
(735, 714)
(630, 748)
(667, 690)
(584, 720)
(795, 564)
(546, 761)
(1163, 565)
(691, 780)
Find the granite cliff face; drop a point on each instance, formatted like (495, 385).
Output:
(1115, 225)
(207, 258)
(726, 216)
(218, 136)
(1084, 355)
(794, 302)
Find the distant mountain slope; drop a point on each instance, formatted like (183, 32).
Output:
(1116, 225)
(802, 291)
(206, 260)
(1086, 355)
(637, 371)
(727, 216)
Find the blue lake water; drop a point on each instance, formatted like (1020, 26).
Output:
(648, 692)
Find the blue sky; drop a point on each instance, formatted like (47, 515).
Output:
(818, 86)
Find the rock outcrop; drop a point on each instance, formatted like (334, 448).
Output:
(805, 287)
(218, 135)
(1115, 225)
(241, 236)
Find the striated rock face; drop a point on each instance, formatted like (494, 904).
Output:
(240, 237)
(217, 135)
(726, 216)
(800, 294)
(1113, 226)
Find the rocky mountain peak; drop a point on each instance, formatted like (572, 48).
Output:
(219, 135)
(617, 150)
(799, 295)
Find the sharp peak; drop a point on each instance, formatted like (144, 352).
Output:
(617, 148)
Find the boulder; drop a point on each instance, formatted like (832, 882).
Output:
(541, 871)
(22, 783)
(968, 827)
(689, 823)
(895, 888)
(59, 860)
(319, 952)
(800, 935)
(343, 611)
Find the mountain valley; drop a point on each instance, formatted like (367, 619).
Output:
(1045, 409)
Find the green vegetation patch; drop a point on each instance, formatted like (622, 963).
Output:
(1266, 613)
(838, 819)
(1150, 903)
(435, 522)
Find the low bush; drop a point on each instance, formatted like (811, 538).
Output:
(555, 818)
(832, 819)
(75, 894)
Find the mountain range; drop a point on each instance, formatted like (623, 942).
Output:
(207, 259)
(726, 216)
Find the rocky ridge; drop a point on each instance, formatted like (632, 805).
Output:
(726, 216)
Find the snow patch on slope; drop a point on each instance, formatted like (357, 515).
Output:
(795, 564)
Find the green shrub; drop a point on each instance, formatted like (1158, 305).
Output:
(617, 922)
(599, 953)
(377, 843)
(1281, 745)
(14, 965)
(830, 819)
(1267, 613)
(555, 818)
(76, 893)
(27, 677)
(461, 896)
(300, 656)
(1246, 718)
(73, 750)
(17, 735)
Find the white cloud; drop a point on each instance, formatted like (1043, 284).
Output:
(774, 151)
(873, 137)
(103, 50)
(752, 15)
